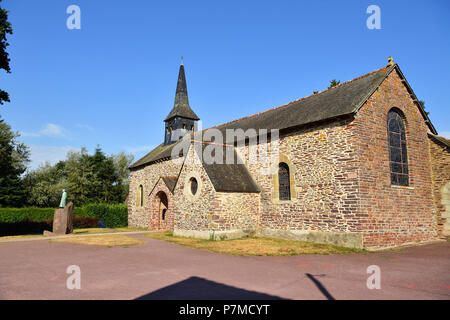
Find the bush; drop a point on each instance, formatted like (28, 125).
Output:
(24, 227)
(85, 222)
(112, 215)
(12, 215)
(36, 220)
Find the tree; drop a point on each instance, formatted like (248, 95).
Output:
(106, 186)
(334, 83)
(80, 175)
(45, 185)
(87, 179)
(422, 104)
(5, 28)
(122, 162)
(14, 156)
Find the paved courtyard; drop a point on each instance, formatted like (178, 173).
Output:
(161, 270)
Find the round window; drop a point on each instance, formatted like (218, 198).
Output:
(194, 185)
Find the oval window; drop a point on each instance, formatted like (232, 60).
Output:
(194, 185)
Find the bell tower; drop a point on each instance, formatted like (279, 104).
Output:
(181, 119)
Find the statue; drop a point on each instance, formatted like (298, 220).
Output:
(62, 204)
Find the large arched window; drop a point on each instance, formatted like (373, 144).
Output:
(284, 185)
(397, 149)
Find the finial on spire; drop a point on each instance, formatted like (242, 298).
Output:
(390, 61)
(181, 60)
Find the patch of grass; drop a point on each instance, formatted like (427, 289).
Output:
(91, 230)
(127, 229)
(77, 231)
(253, 246)
(109, 241)
(27, 236)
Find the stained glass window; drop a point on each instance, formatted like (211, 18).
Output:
(397, 149)
(284, 186)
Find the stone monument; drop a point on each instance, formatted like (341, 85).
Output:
(63, 217)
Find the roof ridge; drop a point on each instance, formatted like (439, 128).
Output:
(289, 103)
(214, 143)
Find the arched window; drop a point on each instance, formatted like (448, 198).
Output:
(284, 185)
(141, 196)
(397, 149)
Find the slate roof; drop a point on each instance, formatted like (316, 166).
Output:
(340, 100)
(441, 140)
(170, 182)
(161, 152)
(344, 99)
(227, 177)
(181, 106)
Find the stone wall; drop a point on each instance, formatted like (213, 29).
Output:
(393, 215)
(324, 183)
(209, 213)
(440, 161)
(147, 177)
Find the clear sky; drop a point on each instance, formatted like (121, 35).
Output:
(113, 81)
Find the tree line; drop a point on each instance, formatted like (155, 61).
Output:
(87, 178)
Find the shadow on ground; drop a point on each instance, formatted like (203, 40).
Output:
(195, 288)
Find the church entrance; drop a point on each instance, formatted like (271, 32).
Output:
(161, 213)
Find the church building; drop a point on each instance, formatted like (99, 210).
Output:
(357, 165)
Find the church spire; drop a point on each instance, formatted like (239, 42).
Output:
(181, 106)
(181, 119)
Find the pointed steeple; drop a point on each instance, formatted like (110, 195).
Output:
(181, 120)
(181, 106)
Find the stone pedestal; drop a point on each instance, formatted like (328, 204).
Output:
(63, 220)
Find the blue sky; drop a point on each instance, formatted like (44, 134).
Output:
(113, 81)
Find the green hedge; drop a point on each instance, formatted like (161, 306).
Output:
(112, 215)
(13, 215)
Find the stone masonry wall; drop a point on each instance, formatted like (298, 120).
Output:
(324, 186)
(193, 212)
(208, 210)
(147, 176)
(393, 215)
(440, 161)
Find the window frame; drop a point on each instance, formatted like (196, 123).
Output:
(284, 189)
(399, 170)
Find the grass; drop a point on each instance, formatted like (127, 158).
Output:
(253, 246)
(76, 232)
(109, 241)
(26, 236)
(127, 229)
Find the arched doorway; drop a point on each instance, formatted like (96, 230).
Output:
(161, 215)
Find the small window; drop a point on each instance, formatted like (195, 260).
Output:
(192, 128)
(141, 196)
(163, 215)
(194, 185)
(184, 126)
(398, 157)
(284, 185)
